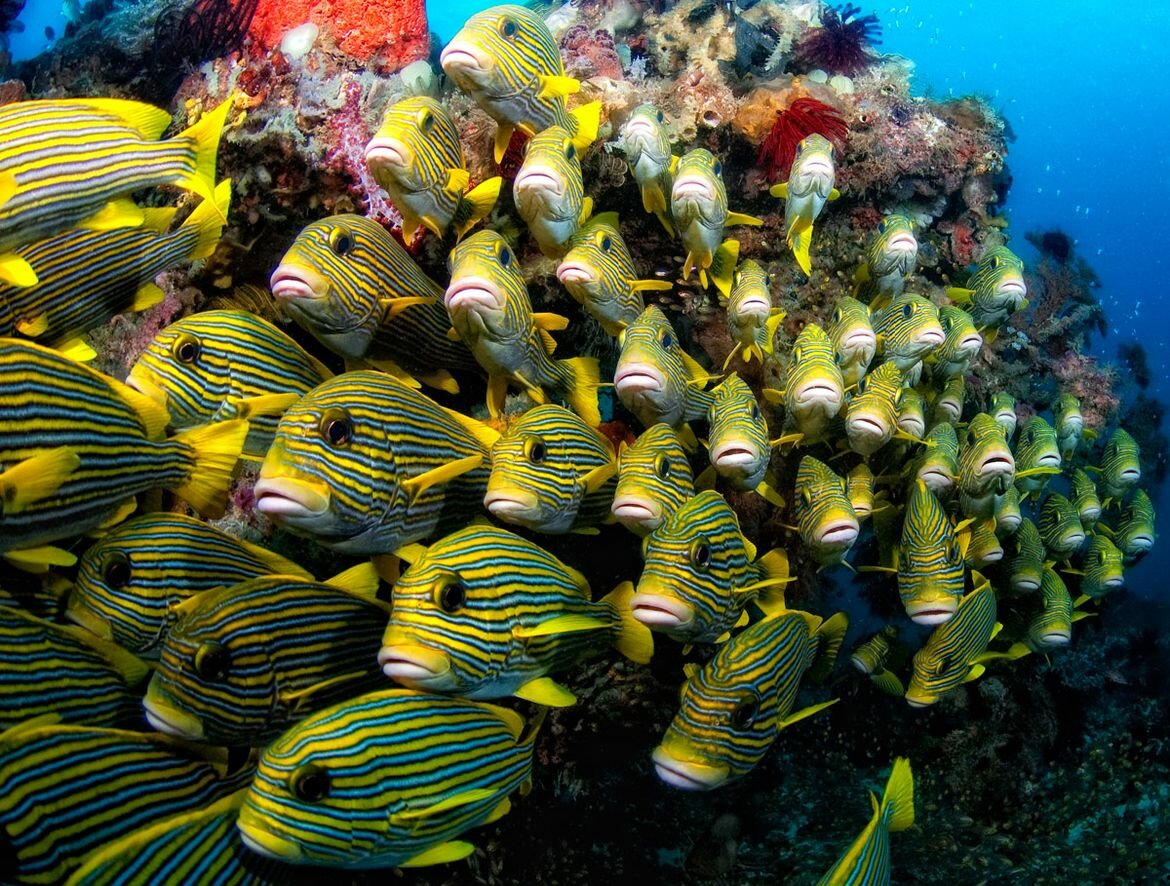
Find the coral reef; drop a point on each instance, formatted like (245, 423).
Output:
(842, 44)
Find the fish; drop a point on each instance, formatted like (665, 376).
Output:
(77, 446)
(814, 390)
(871, 418)
(961, 343)
(1037, 456)
(995, 291)
(654, 480)
(655, 378)
(1084, 497)
(1101, 567)
(867, 860)
(220, 365)
(487, 300)
(890, 258)
(732, 708)
(115, 269)
(1027, 562)
(980, 545)
(931, 569)
(871, 657)
(951, 654)
(131, 581)
(243, 663)
(386, 780)
(912, 413)
(66, 163)
(483, 613)
(948, 402)
(824, 514)
(1007, 513)
(1003, 410)
(750, 316)
(1120, 468)
(646, 144)
(698, 208)
(1060, 527)
(859, 486)
(701, 572)
(552, 473)
(508, 62)
(1135, 533)
(417, 159)
(986, 467)
(599, 273)
(809, 187)
(1051, 627)
(549, 192)
(937, 465)
(364, 463)
(908, 329)
(70, 790)
(854, 341)
(351, 286)
(47, 668)
(1069, 424)
(737, 442)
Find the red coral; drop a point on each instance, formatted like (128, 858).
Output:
(799, 120)
(513, 156)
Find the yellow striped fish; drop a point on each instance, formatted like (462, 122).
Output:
(854, 340)
(750, 316)
(701, 572)
(1008, 514)
(937, 465)
(243, 663)
(86, 277)
(814, 390)
(995, 291)
(68, 791)
(1037, 456)
(488, 302)
(931, 572)
(599, 273)
(986, 467)
(549, 192)
(47, 668)
(219, 365)
(867, 860)
(1069, 424)
(698, 208)
(1120, 468)
(1084, 498)
(1027, 562)
(908, 329)
(65, 162)
(389, 779)
(417, 159)
(349, 284)
(655, 378)
(364, 464)
(1003, 410)
(961, 343)
(654, 480)
(732, 708)
(981, 546)
(737, 442)
(808, 188)
(1051, 627)
(912, 413)
(871, 657)
(131, 581)
(76, 447)
(1135, 533)
(859, 483)
(508, 62)
(484, 613)
(1102, 568)
(947, 405)
(646, 144)
(951, 654)
(890, 258)
(824, 514)
(552, 473)
(871, 418)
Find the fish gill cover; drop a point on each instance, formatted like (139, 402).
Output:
(977, 487)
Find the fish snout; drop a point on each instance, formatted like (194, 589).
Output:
(288, 497)
(385, 154)
(661, 612)
(638, 378)
(473, 294)
(463, 59)
(296, 282)
(687, 775)
(575, 273)
(636, 511)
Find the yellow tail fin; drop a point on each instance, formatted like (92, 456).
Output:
(579, 388)
(215, 449)
(205, 133)
(897, 809)
(207, 221)
(634, 639)
(584, 122)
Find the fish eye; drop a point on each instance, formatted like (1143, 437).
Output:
(662, 466)
(508, 28)
(970, 436)
(745, 714)
(717, 168)
(953, 552)
(860, 386)
(505, 256)
(995, 261)
(667, 340)
(116, 570)
(535, 450)
(341, 241)
(755, 412)
(212, 662)
(907, 310)
(606, 243)
(946, 324)
(661, 117)
(336, 427)
(881, 227)
(806, 495)
(622, 339)
(837, 315)
(569, 149)
(700, 555)
(309, 783)
(426, 121)
(186, 349)
(451, 596)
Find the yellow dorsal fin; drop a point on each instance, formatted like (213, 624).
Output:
(486, 436)
(155, 417)
(897, 806)
(360, 580)
(147, 120)
(416, 486)
(148, 295)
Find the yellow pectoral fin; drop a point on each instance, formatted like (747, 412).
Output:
(551, 86)
(121, 213)
(16, 271)
(805, 712)
(503, 137)
(547, 341)
(651, 285)
(834, 194)
(78, 350)
(265, 404)
(147, 296)
(466, 798)
(457, 181)
(780, 190)
(564, 624)
(499, 812)
(33, 327)
(598, 477)
(395, 306)
(416, 486)
(7, 187)
(555, 322)
(444, 853)
(38, 560)
(738, 218)
(960, 295)
(546, 691)
(36, 478)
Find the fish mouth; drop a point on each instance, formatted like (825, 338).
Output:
(912, 426)
(1013, 287)
(686, 775)
(287, 497)
(635, 510)
(1131, 475)
(414, 666)
(639, 128)
(1049, 460)
(919, 701)
(637, 378)
(692, 187)
(902, 243)
(387, 153)
(1073, 540)
(931, 337)
(860, 663)
(658, 611)
(733, 454)
(991, 555)
(575, 273)
(839, 532)
(970, 344)
(1055, 638)
(866, 426)
(936, 479)
(1115, 582)
(1142, 542)
(931, 613)
(168, 719)
(474, 295)
(818, 392)
(860, 340)
(754, 305)
(996, 465)
(538, 181)
(295, 282)
(509, 504)
(262, 841)
(89, 620)
(819, 166)
(1026, 584)
(464, 57)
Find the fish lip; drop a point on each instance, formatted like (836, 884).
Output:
(920, 702)
(936, 478)
(1013, 286)
(658, 611)
(264, 842)
(914, 428)
(1049, 460)
(474, 294)
(692, 187)
(509, 503)
(575, 272)
(463, 57)
(971, 343)
(754, 305)
(931, 337)
(933, 614)
(634, 509)
(1055, 638)
(817, 392)
(169, 720)
(839, 532)
(817, 165)
(860, 339)
(387, 152)
(1115, 582)
(902, 243)
(412, 665)
(871, 426)
(733, 454)
(638, 378)
(860, 664)
(640, 126)
(1027, 584)
(1133, 474)
(286, 497)
(679, 774)
(538, 180)
(297, 283)
(997, 464)
(1075, 539)
(90, 621)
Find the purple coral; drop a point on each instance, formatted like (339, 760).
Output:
(842, 44)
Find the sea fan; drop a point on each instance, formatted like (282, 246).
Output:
(842, 44)
(190, 34)
(800, 119)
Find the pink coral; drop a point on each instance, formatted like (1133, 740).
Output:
(348, 155)
(589, 53)
(1092, 384)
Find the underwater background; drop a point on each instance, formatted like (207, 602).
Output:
(1051, 767)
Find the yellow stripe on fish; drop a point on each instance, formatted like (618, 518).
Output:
(931, 570)
(890, 258)
(854, 340)
(737, 442)
(1120, 467)
(908, 329)
(995, 291)
(646, 145)
(1060, 527)
(871, 418)
(814, 389)
(654, 480)
(1027, 561)
(986, 467)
